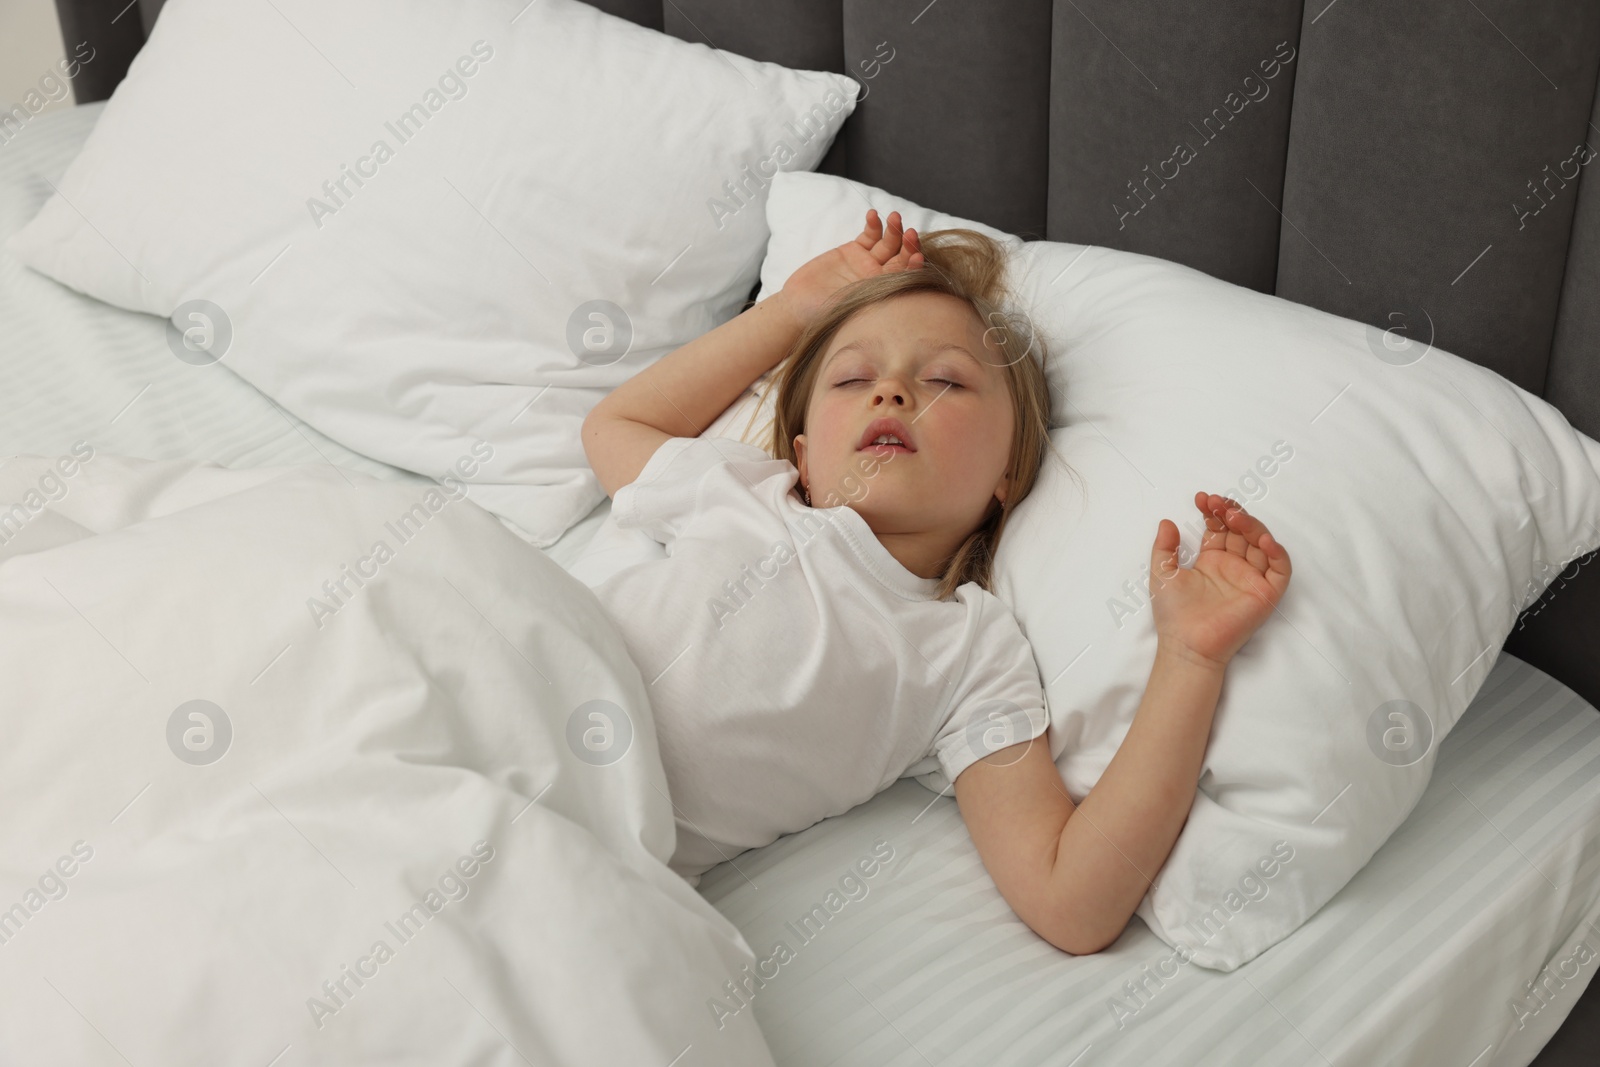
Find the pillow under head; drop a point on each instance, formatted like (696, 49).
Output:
(1422, 497)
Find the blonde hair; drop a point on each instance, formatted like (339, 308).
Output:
(970, 266)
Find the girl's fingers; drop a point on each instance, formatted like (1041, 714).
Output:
(1216, 531)
(1245, 534)
(1255, 533)
(887, 248)
(908, 256)
(1239, 520)
(1232, 529)
(1202, 501)
(892, 245)
(872, 232)
(1277, 556)
(1164, 553)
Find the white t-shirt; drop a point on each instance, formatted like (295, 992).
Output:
(794, 666)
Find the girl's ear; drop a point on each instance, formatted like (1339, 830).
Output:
(1003, 490)
(800, 457)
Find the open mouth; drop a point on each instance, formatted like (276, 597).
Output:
(884, 437)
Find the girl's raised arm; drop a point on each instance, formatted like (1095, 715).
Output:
(684, 392)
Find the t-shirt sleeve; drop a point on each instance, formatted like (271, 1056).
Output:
(1000, 700)
(666, 494)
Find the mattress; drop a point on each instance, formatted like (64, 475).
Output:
(1465, 942)
(1425, 957)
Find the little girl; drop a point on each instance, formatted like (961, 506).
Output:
(822, 623)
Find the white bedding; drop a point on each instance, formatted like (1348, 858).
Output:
(1418, 961)
(416, 816)
(928, 965)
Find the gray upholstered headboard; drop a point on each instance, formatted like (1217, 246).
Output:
(1416, 165)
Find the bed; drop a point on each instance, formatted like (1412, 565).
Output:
(1469, 938)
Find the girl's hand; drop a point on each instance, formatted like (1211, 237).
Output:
(1210, 609)
(875, 251)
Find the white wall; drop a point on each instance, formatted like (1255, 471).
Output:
(30, 47)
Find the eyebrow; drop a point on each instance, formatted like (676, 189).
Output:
(936, 347)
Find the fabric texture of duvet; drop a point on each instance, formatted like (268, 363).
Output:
(298, 763)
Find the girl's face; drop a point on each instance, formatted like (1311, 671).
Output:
(919, 359)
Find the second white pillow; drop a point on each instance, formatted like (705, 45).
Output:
(423, 226)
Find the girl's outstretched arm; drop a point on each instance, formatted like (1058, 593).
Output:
(1076, 875)
(683, 392)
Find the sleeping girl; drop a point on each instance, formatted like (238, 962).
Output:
(822, 623)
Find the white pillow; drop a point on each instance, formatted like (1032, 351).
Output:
(562, 197)
(1421, 497)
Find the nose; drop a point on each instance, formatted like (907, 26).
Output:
(888, 390)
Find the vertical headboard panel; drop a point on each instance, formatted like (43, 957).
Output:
(113, 31)
(804, 34)
(1416, 129)
(1169, 122)
(956, 112)
(1573, 384)
(148, 10)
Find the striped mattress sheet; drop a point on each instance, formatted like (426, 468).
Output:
(1464, 942)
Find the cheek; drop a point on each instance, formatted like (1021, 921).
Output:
(827, 429)
(974, 431)
(980, 440)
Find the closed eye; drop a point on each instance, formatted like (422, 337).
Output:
(946, 381)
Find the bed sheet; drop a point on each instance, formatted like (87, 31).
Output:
(75, 369)
(1465, 941)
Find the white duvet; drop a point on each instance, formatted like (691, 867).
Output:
(299, 767)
